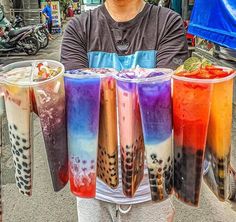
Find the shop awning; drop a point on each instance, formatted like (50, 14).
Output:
(215, 20)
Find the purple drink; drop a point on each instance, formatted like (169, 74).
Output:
(50, 101)
(155, 105)
(83, 101)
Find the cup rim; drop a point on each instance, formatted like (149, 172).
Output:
(167, 75)
(31, 83)
(78, 76)
(90, 72)
(209, 81)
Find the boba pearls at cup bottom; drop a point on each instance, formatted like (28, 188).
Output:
(217, 175)
(21, 150)
(188, 174)
(107, 167)
(132, 165)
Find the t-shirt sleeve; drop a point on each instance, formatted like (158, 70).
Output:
(173, 48)
(74, 49)
(44, 10)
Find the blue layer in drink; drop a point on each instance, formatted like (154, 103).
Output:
(155, 104)
(83, 101)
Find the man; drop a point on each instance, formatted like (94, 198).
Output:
(122, 34)
(47, 12)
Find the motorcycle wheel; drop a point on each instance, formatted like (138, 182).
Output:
(34, 46)
(45, 42)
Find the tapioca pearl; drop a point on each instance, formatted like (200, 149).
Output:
(19, 166)
(159, 176)
(23, 180)
(28, 193)
(24, 140)
(153, 189)
(18, 171)
(159, 182)
(22, 183)
(27, 176)
(21, 150)
(18, 185)
(128, 160)
(153, 182)
(25, 148)
(25, 164)
(17, 143)
(14, 126)
(17, 137)
(27, 187)
(24, 156)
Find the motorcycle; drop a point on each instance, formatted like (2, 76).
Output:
(40, 31)
(17, 22)
(19, 40)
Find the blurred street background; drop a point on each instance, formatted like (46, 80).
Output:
(45, 204)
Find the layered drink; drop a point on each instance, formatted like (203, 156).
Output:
(107, 160)
(30, 86)
(83, 102)
(17, 95)
(48, 100)
(130, 132)
(154, 90)
(193, 92)
(219, 134)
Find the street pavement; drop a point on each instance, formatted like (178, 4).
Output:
(46, 205)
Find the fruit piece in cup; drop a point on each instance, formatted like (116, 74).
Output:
(43, 71)
(200, 69)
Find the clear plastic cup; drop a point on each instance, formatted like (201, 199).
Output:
(130, 134)
(49, 97)
(194, 125)
(155, 101)
(22, 94)
(19, 116)
(83, 103)
(107, 160)
(218, 146)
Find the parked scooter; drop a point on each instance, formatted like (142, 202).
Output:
(17, 22)
(40, 31)
(19, 40)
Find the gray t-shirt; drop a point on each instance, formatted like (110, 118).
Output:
(154, 38)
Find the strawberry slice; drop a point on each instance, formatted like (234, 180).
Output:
(204, 74)
(213, 68)
(39, 66)
(218, 72)
(188, 74)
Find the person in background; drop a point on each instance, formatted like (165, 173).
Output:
(122, 34)
(47, 12)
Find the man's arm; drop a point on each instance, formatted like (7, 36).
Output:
(173, 48)
(74, 49)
